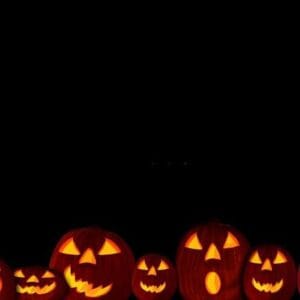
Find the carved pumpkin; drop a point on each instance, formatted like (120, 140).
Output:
(210, 259)
(39, 283)
(7, 285)
(270, 274)
(154, 278)
(96, 264)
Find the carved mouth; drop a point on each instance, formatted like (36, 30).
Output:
(267, 287)
(153, 288)
(31, 289)
(85, 287)
(1, 284)
(213, 283)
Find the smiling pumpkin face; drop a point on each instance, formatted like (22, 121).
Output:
(270, 274)
(154, 278)
(38, 283)
(209, 263)
(7, 285)
(96, 264)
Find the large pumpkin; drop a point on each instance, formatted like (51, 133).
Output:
(96, 264)
(210, 259)
(154, 278)
(39, 283)
(270, 274)
(7, 285)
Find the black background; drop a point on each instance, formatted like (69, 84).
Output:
(150, 185)
(205, 137)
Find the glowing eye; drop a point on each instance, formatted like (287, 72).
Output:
(109, 247)
(280, 258)
(48, 274)
(142, 266)
(255, 258)
(69, 247)
(163, 266)
(193, 243)
(231, 241)
(19, 274)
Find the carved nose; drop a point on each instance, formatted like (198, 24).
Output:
(33, 278)
(88, 257)
(152, 271)
(212, 253)
(267, 266)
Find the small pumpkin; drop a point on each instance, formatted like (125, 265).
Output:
(7, 285)
(39, 283)
(154, 278)
(270, 274)
(96, 264)
(210, 259)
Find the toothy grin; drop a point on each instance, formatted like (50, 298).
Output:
(84, 286)
(153, 288)
(267, 287)
(31, 290)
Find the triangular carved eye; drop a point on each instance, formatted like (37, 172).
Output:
(231, 241)
(48, 274)
(19, 274)
(163, 266)
(255, 258)
(69, 248)
(109, 247)
(280, 258)
(193, 242)
(142, 266)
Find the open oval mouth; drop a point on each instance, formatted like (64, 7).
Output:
(153, 288)
(267, 287)
(213, 283)
(84, 287)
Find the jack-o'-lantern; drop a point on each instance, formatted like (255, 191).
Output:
(96, 264)
(7, 285)
(210, 260)
(270, 274)
(154, 278)
(39, 283)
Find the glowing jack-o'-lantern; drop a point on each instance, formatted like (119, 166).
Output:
(270, 274)
(38, 283)
(96, 264)
(154, 278)
(210, 259)
(7, 285)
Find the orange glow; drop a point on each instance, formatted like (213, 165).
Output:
(48, 274)
(280, 258)
(88, 257)
(163, 266)
(109, 247)
(231, 241)
(193, 242)
(213, 283)
(267, 266)
(152, 271)
(69, 247)
(33, 278)
(142, 266)
(255, 258)
(212, 253)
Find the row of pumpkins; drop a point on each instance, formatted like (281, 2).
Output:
(214, 262)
